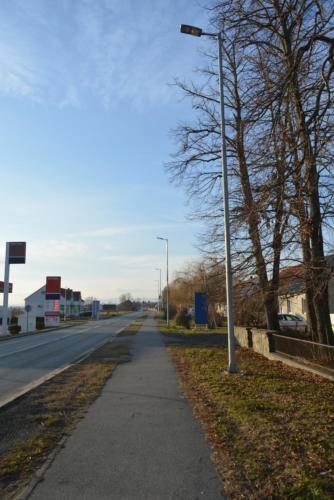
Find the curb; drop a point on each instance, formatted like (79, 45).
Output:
(40, 473)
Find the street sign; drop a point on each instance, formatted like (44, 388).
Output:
(51, 319)
(17, 252)
(95, 308)
(52, 288)
(52, 300)
(2, 286)
(201, 309)
(27, 308)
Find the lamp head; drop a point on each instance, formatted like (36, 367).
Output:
(190, 30)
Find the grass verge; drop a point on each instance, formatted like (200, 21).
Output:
(133, 328)
(178, 331)
(271, 428)
(32, 426)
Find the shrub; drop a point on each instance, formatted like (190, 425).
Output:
(14, 329)
(172, 311)
(183, 318)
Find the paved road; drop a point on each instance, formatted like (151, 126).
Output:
(25, 360)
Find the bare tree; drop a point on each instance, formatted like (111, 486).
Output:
(278, 58)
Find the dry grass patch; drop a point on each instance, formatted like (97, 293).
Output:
(272, 430)
(133, 328)
(33, 425)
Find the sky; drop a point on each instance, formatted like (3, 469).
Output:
(87, 109)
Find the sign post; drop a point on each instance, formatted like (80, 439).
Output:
(52, 300)
(95, 309)
(201, 309)
(27, 309)
(15, 254)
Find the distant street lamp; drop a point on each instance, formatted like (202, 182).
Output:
(167, 299)
(159, 269)
(194, 31)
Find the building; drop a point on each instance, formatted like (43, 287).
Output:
(292, 298)
(71, 305)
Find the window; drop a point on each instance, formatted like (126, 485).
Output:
(288, 305)
(304, 306)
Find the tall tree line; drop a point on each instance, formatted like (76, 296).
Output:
(278, 75)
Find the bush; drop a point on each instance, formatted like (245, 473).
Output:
(14, 329)
(172, 311)
(183, 318)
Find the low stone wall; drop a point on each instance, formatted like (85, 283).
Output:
(259, 340)
(240, 334)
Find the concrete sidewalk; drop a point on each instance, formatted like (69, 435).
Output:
(139, 440)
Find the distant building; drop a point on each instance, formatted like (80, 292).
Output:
(109, 307)
(292, 296)
(71, 303)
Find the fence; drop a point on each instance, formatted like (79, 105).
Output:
(266, 342)
(319, 353)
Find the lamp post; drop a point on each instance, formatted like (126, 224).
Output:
(194, 31)
(158, 269)
(167, 299)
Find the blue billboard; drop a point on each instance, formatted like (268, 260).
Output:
(201, 309)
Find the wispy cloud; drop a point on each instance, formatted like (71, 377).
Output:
(59, 51)
(127, 229)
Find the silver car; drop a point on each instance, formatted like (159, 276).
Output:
(292, 322)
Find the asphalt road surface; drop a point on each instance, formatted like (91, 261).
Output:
(26, 360)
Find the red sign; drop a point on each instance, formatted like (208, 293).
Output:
(53, 284)
(10, 290)
(17, 252)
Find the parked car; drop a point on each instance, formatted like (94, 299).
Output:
(292, 322)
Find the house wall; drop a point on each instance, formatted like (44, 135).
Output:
(331, 295)
(296, 305)
(27, 324)
(37, 302)
(296, 302)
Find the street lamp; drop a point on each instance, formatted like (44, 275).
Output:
(159, 269)
(193, 30)
(167, 300)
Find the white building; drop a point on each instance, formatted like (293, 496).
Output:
(70, 306)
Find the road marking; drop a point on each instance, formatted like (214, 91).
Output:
(58, 339)
(33, 385)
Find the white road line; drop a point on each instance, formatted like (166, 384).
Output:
(30, 347)
(29, 387)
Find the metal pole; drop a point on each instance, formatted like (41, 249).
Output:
(167, 285)
(5, 293)
(232, 366)
(159, 288)
(27, 321)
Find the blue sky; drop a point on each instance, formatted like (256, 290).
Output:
(86, 112)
